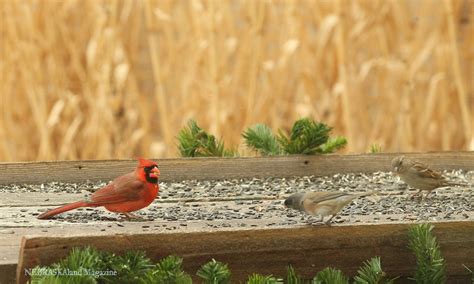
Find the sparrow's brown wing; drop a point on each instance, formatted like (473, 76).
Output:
(424, 171)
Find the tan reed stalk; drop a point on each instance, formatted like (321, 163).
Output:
(458, 76)
(155, 61)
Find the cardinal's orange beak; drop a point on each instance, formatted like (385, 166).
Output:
(155, 172)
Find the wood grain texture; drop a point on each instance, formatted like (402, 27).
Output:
(223, 168)
(269, 251)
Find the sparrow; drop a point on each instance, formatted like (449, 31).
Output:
(419, 175)
(325, 203)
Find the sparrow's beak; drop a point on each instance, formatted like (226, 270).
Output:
(155, 172)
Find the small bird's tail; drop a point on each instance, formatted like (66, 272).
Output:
(59, 210)
(456, 184)
(366, 193)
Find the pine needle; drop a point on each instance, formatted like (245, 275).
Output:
(214, 272)
(195, 142)
(430, 265)
(330, 276)
(260, 138)
(263, 279)
(306, 137)
(371, 273)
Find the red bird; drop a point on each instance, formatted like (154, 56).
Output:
(127, 193)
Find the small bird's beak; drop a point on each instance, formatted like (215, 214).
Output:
(155, 172)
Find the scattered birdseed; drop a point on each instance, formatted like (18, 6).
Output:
(226, 203)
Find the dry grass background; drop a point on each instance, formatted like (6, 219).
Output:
(116, 79)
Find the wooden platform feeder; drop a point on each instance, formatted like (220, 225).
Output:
(266, 250)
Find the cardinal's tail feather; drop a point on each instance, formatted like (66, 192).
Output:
(59, 210)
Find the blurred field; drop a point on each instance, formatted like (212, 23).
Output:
(117, 79)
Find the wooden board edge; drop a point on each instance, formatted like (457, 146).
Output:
(392, 236)
(21, 276)
(225, 168)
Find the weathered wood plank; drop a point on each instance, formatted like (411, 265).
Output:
(268, 251)
(221, 168)
(34, 199)
(8, 273)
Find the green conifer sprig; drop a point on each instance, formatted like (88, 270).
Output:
(292, 277)
(371, 272)
(129, 268)
(330, 275)
(375, 148)
(263, 279)
(306, 137)
(333, 144)
(214, 272)
(169, 270)
(132, 267)
(195, 142)
(430, 265)
(78, 261)
(260, 138)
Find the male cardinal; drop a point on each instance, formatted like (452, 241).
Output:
(325, 203)
(127, 193)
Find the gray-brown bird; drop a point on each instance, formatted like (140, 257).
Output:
(325, 203)
(419, 175)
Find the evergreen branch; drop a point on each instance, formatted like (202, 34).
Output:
(430, 265)
(372, 273)
(333, 144)
(214, 272)
(330, 276)
(195, 142)
(375, 148)
(261, 139)
(292, 277)
(78, 261)
(306, 137)
(263, 279)
(168, 271)
(128, 268)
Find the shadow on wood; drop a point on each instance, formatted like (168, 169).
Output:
(269, 251)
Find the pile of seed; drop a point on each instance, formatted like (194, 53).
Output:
(225, 203)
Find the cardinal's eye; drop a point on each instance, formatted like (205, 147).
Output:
(150, 168)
